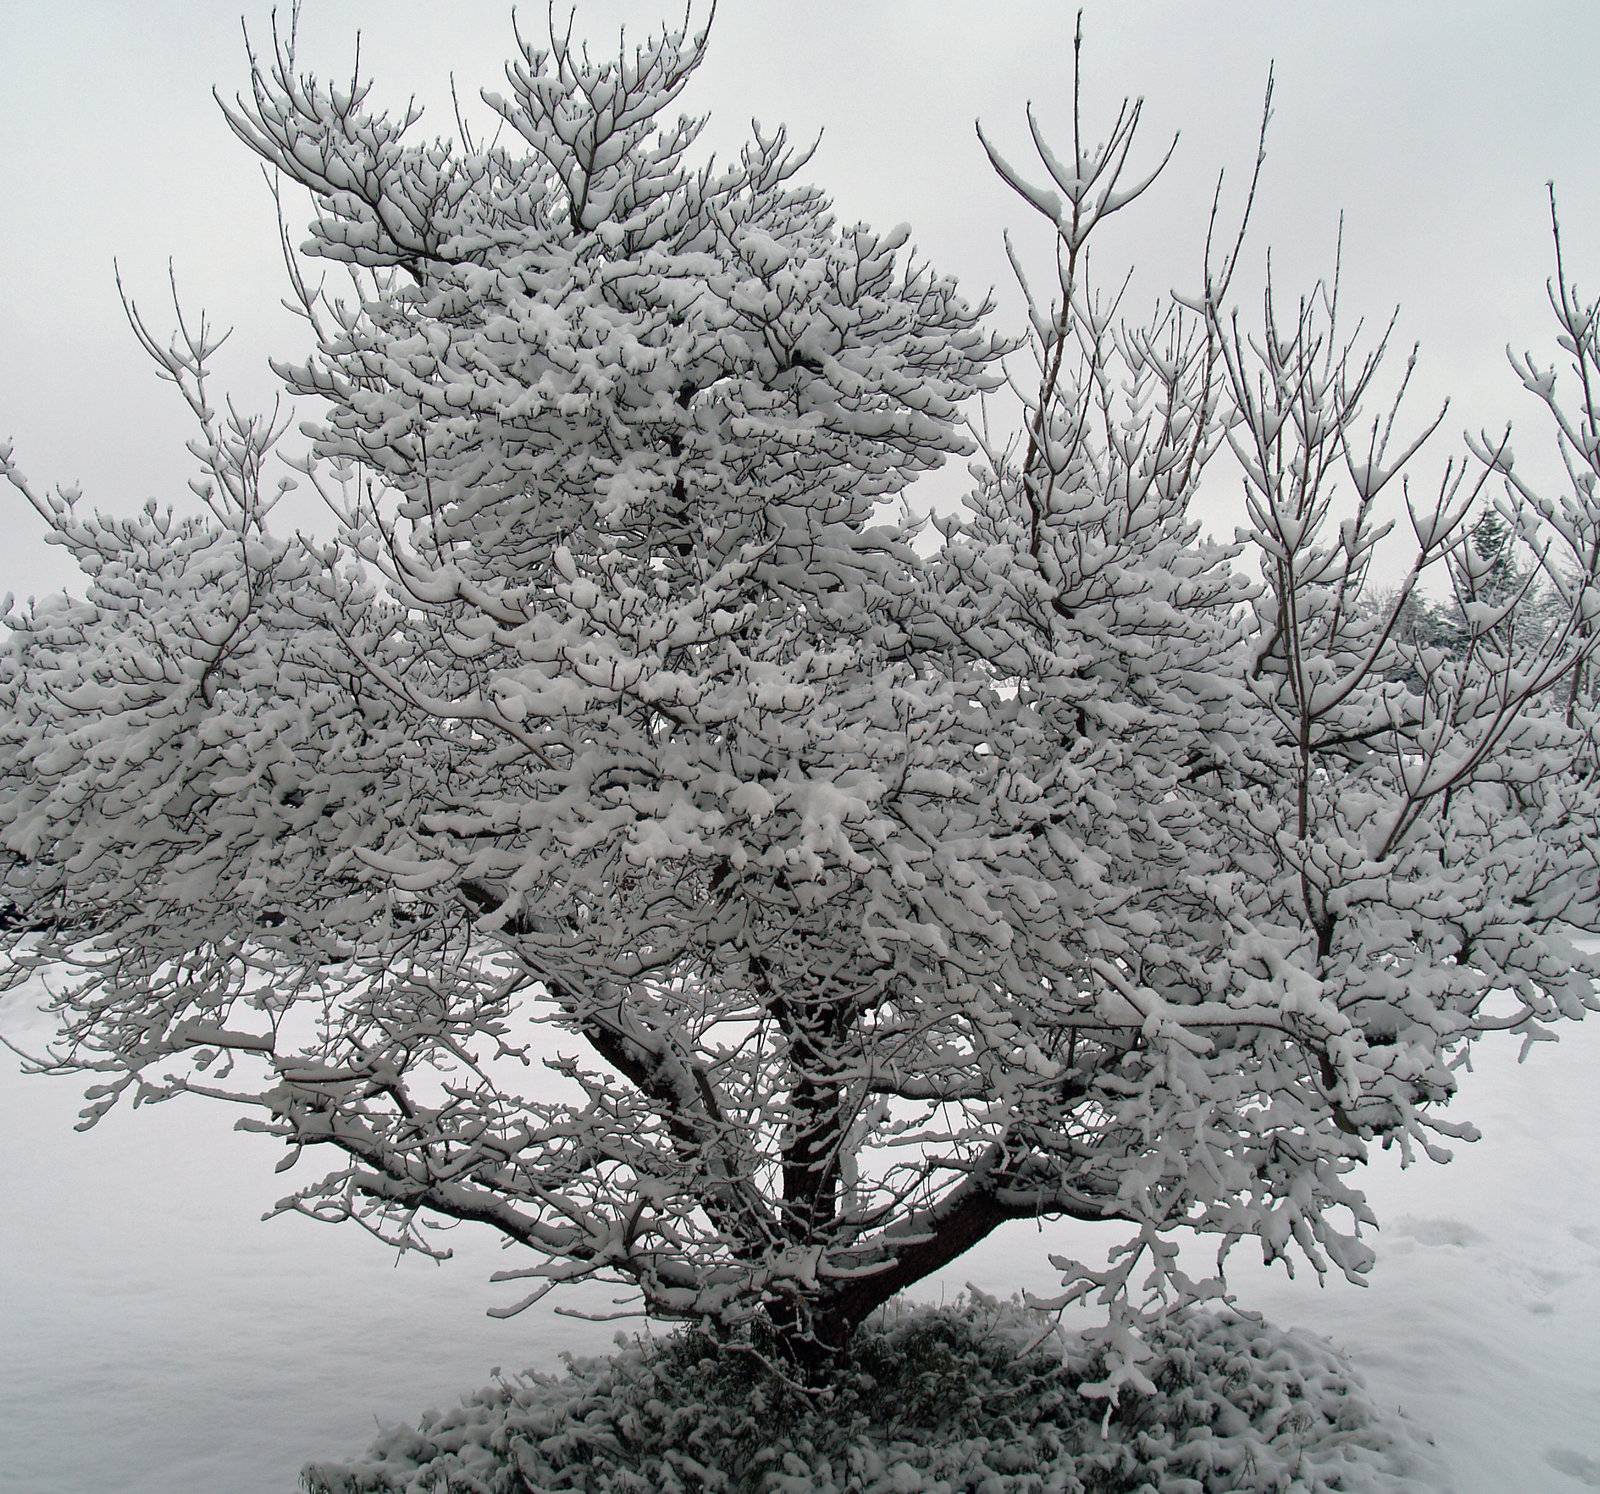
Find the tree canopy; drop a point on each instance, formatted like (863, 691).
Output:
(633, 833)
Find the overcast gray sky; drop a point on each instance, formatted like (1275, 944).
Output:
(1434, 125)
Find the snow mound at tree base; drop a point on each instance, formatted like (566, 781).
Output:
(950, 1399)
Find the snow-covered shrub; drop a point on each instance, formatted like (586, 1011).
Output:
(960, 1399)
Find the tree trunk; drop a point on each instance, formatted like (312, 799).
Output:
(814, 1333)
(812, 1337)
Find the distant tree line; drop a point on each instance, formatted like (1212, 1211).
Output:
(1499, 597)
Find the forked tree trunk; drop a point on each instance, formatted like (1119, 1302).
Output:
(814, 1333)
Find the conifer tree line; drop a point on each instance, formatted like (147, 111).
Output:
(1495, 573)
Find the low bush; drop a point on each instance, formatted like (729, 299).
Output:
(966, 1398)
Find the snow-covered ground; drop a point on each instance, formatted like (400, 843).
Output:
(155, 1336)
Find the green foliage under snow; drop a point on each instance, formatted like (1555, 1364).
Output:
(958, 1399)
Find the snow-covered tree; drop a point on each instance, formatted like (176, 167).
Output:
(625, 835)
(1488, 571)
